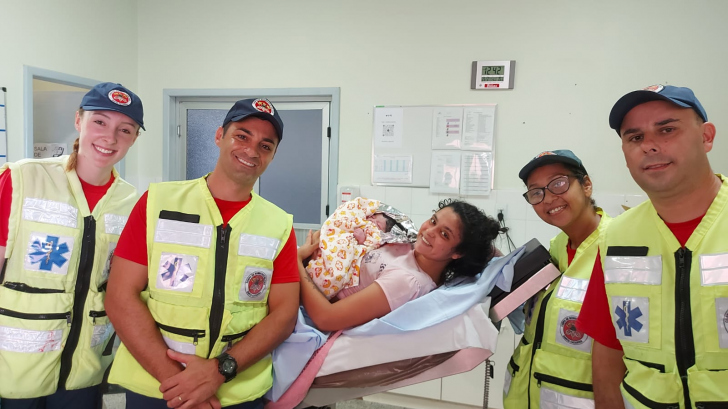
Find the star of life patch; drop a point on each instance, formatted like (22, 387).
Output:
(631, 316)
(256, 281)
(107, 266)
(568, 335)
(721, 311)
(119, 97)
(48, 253)
(177, 272)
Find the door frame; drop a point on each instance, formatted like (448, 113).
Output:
(171, 120)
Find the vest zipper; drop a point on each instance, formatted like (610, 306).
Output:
(25, 316)
(579, 386)
(218, 292)
(230, 338)
(537, 337)
(25, 288)
(684, 342)
(96, 314)
(83, 281)
(195, 334)
(647, 402)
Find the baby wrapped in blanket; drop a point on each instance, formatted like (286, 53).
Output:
(355, 228)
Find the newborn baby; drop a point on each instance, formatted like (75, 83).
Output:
(347, 235)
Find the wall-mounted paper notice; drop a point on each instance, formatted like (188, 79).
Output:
(388, 127)
(478, 128)
(476, 173)
(3, 131)
(447, 125)
(445, 172)
(49, 150)
(392, 169)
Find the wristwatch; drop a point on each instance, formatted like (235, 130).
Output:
(227, 366)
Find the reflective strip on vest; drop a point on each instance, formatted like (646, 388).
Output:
(714, 269)
(507, 382)
(50, 211)
(181, 347)
(721, 311)
(550, 399)
(627, 405)
(30, 341)
(187, 234)
(114, 223)
(633, 270)
(572, 289)
(258, 246)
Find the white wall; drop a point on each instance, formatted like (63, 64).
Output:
(574, 60)
(86, 38)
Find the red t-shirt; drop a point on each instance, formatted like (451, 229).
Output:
(595, 319)
(92, 193)
(132, 244)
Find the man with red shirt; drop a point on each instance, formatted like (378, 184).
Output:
(204, 281)
(657, 308)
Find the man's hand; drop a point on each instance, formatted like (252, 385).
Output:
(194, 386)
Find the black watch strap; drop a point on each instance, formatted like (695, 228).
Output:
(227, 366)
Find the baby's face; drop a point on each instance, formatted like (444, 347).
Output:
(379, 220)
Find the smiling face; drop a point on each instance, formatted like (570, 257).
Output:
(665, 146)
(566, 208)
(104, 137)
(246, 149)
(439, 236)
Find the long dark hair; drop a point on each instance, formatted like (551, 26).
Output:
(476, 245)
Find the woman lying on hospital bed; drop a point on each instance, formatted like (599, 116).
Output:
(456, 241)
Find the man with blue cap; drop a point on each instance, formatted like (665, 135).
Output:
(205, 278)
(60, 219)
(658, 310)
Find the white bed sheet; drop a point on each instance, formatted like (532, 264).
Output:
(471, 333)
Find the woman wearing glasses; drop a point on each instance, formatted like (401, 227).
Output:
(551, 366)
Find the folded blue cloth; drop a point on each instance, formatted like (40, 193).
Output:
(445, 302)
(291, 356)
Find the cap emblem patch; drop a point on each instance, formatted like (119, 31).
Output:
(654, 88)
(546, 153)
(119, 97)
(263, 105)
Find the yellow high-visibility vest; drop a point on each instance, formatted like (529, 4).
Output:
(208, 283)
(551, 367)
(53, 326)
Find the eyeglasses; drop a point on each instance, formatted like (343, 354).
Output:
(557, 186)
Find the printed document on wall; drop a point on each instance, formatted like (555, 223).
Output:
(445, 172)
(388, 127)
(392, 169)
(447, 125)
(476, 175)
(478, 128)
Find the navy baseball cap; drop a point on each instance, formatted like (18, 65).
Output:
(259, 108)
(109, 96)
(680, 96)
(564, 156)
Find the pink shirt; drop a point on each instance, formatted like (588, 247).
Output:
(395, 269)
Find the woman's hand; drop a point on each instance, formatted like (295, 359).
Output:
(310, 248)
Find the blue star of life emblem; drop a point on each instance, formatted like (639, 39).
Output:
(48, 253)
(628, 318)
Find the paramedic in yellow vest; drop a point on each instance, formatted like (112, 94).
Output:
(60, 219)
(204, 283)
(552, 364)
(659, 311)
